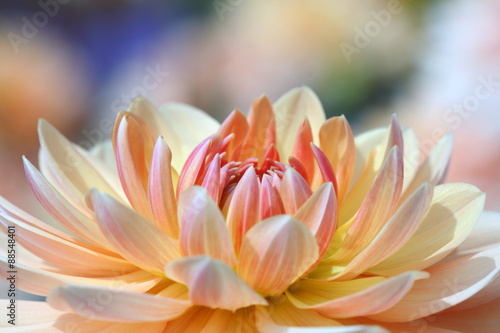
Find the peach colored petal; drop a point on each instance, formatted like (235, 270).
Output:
(161, 190)
(203, 228)
(185, 127)
(325, 169)
(377, 207)
(365, 143)
(212, 179)
(400, 227)
(261, 130)
(453, 213)
(64, 253)
(354, 298)
(212, 283)
(63, 211)
(395, 136)
(319, 214)
(244, 208)
(31, 316)
(74, 173)
(114, 305)
(133, 146)
(75, 323)
(294, 191)
(337, 142)
(275, 252)
(133, 236)
(192, 170)
(449, 284)
(290, 110)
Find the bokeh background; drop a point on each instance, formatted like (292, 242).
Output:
(436, 64)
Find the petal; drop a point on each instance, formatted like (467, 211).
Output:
(212, 179)
(66, 253)
(133, 146)
(73, 172)
(193, 168)
(261, 130)
(237, 125)
(435, 167)
(161, 190)
(244, 208)
(137, 239)
(270, 199)
(319, 214)
(212, 283)
(453, 213)
(72, 322)
(449, 284)
(63, 211)
(337, 143)
(401, 226)
(203, 228)
(302, 150)
(325, 169)
(376, 209)
(290, 110)
(275, 252)
(355, 298)
(31, 315)
(294, 190)
(283, 317)
(114, 305)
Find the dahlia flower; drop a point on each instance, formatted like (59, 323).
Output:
(278, 221)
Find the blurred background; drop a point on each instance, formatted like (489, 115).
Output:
(436, 64)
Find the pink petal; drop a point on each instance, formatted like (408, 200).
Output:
(270, 199)
(325, 168)
(137, 239)
(161, 190)
(294, 190)
(236, 124)
(193, 168)
(212, 181)
(319, 214)
(244, 208)
(275, 252)
(203, 228)
(302, 149)
(212, 283)
(114, 305)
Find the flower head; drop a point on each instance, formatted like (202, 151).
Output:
(277, 219)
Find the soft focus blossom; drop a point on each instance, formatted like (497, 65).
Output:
(275, 222)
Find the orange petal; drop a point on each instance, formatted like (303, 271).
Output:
(261, 132)
(319, 214)
(337, 143)
(355, 298)
(290, 111)
(302, 149)
(449, 284)
(161, 190)
(325, 168)
(275, 252)
(115, 305)
(376, 209)
(203, 228)
(236, 124)
(294, 190)
(212, 283)
(133, 236)
(133, 146)
(244, 208)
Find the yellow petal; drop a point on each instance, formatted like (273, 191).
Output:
(453, 213)
(355, 298)
(114, 305)
(212, 283)
(203, 228)
(275, 252)
(290, 110)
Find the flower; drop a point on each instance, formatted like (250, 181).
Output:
(264, 223)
